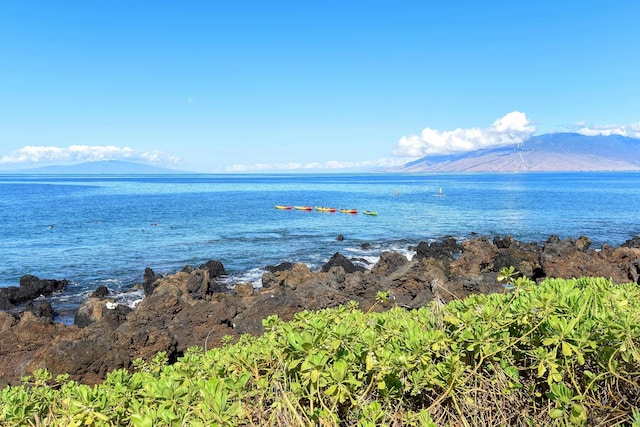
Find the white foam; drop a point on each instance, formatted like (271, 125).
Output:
(130, 298)
(253, 276)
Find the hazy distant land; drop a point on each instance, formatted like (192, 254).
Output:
(554, 152)
(103, 167)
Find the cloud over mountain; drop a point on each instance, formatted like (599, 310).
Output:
(630, 131)
(512, 128)
(83, 153)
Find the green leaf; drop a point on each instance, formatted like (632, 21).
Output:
(578, 415)
(556, 413)
(141, 420)
(294, 364)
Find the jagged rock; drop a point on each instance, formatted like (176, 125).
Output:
(150, 279)
(634, 242)
(200, 284)
(410, 285)
(583, 243)
(100, 309)
(243, 289)
(388, 263)
(478, 256)
(526, 260)
(100, 292)
(286, 277)
(340, 260)
(87, 356)
(569, 258)
(298, 275)
(41, 309)
(273, 279)
(31, 287)
(215, 268)
(7, 320)
(442, 250)
(554, 245)
(504, 243)
(188, 269)
(23, 341)
(284, 266)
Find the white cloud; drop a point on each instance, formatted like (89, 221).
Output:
(631, 131)
(83, 153)
(513, 128)
(331, 165)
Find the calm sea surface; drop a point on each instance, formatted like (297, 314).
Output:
(104, 230)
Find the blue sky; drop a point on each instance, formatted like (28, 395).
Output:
(248, 86)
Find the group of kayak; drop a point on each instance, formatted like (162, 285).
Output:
(324, 209)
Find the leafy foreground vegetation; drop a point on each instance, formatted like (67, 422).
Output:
(564, 352)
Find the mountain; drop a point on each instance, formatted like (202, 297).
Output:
(103, 167)
(542, 153)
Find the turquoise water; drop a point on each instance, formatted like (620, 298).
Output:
(107, 229)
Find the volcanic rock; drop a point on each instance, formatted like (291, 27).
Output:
(31, 287)
(182, 310)
(442, 250)
(340, 260)
(388, 263)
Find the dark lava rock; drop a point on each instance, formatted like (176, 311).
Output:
(41, 309)
(201, 284)
(340, 260)
(284, 266)
(100, 292)
(214, 267)
(442, 250)
(632, 243)
(30, 288)
(388, 263)
(150, 279)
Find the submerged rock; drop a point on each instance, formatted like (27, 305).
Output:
(31, 287)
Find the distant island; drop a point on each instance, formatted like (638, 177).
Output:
(103, 167)
(554, 152)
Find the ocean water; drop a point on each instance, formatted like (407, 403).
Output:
(104, 230)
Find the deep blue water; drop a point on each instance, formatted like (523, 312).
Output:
(107, 229)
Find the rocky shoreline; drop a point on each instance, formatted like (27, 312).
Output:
(190, 308)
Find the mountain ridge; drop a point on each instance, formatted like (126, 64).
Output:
(101, 167)
(554, 152)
